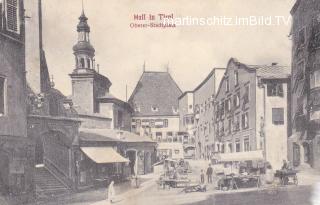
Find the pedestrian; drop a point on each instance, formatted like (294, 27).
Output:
(111, 193)
(209, 174)
(202, 176)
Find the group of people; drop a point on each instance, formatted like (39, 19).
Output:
(209, 173)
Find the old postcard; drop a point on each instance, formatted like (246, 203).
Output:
(162, 102)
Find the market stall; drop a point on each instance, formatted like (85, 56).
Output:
(239, 170)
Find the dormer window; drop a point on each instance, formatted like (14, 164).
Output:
(175, 110)
(12, 15)
(154, 108)
(136, 108)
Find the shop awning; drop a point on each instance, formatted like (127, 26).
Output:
(103, 155)
(240, 156)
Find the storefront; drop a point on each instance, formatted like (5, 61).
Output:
(98, 166)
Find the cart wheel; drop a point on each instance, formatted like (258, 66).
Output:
(295, 180)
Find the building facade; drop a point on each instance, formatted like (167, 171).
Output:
(16, 149)
(204, 95)
(155, 104)
(305, 138)
(251, 111)
(186, 124)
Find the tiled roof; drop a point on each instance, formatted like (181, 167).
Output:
(158, 90)
(112, 135)
(91, 136)
(271, 71)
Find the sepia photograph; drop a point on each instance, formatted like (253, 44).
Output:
(162, 102)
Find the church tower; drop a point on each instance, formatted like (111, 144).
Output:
(83, 50)
(87, 84)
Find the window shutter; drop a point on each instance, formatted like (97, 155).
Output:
(12, 15)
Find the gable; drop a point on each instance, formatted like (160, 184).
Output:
(155, 94)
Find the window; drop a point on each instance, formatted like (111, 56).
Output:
(152, 123)
(2, 96)
(192, 120)
(165, 122)
(190, 106)
(302, 36)
(159, 136)
(175, 138)
(227, 85)
(246, 94)
(238, 146)
(246, 145)
(12, 15)
(229, 126)
(82, 63)
(222, 148)
(236, 78)
(133, 123)
(88, 62)
(278, 116)
(222, 109)
(236, 100)
(228, 105)
(316, 79)
(275, 89)
(237, 123)
(230, 147)
(120, 119)
(245, 121)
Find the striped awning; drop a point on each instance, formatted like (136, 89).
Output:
(103, 155)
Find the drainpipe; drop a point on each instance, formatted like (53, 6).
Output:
(264, 120)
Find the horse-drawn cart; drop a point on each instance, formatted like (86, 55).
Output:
(286, 175)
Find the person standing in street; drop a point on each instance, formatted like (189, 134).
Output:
(209, 174)
(111, 193)
(202, 176)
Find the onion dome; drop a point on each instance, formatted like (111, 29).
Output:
(83, 46)
(83, 25)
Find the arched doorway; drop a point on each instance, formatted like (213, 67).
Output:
(132, 155)
(307, 152)
(147, 163)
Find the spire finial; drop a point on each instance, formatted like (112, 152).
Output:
(82, 8)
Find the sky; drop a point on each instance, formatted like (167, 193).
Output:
(190, 52)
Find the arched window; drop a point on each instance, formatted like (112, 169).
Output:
(88, 62)
(82, 62)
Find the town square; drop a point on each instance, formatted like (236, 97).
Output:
(159, 102)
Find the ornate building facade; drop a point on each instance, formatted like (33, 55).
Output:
(304, 142)
(251, 118)
(204, 95)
